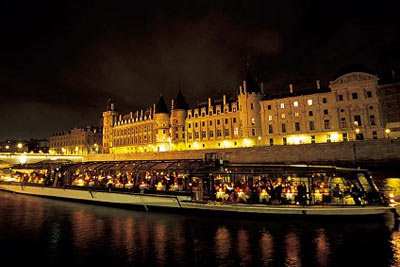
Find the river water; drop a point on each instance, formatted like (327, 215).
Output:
(44, 232)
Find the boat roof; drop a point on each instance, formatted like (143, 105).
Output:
(184, 165)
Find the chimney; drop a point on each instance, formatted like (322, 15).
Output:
(241, 90)
(262, 87)
(318, 84)
(209, 102)
(244, 87)
(172, 104)
(224, 99)
(154, 108)
(291, 88)
(141, 114)
(131, 115)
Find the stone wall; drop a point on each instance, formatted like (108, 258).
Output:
(347, 153)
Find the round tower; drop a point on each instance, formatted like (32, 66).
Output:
(109, 118)
(162, 126)
(178, 116)
(249, 98)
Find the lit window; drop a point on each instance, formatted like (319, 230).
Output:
(253, 121)
(282, 105)
(296, 103)
(296, 114)
(283, 116)
(270, 117)
(309, 102)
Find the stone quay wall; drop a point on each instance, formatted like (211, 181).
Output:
(361, 153)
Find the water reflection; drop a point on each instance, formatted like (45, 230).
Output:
(243, 248)
(61, 233)
(223, 245)
(267, 248)
(292, 249)
(322, 248)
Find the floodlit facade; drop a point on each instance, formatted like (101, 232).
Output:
(77, 141)
(348, 110)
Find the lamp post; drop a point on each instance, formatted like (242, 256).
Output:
(354, 144)
(387, 132)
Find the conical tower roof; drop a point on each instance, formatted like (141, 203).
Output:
(180, 101)
(161, 106)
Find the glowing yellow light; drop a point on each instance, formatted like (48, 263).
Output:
(76, 149)
(391, 195)
(7, 147)
(357, 131)
(247, 142)
(19, 145)
(162, 148)
(22, 159)
(335, 137)
(196, 145)
(297, 139)
(387, 131)
(226, 144)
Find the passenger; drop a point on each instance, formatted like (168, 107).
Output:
(242, 196)
(337, 193)
(264, 196)
(174, 187)
(159, 186)
(278, 192)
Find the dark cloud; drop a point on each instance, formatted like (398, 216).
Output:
(60, 61)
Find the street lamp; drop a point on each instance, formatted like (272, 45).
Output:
(387, 132)
(19, 145)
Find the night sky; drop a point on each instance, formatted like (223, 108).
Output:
(59, 60)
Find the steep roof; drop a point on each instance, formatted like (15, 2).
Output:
(180, 102)
(161, 106)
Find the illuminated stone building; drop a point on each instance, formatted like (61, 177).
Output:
(389, 95)
(77, 141)
(348, 110)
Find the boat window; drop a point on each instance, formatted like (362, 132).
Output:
(364, 182)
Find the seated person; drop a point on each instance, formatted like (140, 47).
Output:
(221, 195)
(159, 186)
(242, 196)
(264, 196)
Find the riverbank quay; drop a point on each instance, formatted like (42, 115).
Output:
(365, 153)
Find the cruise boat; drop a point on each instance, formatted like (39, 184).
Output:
(206, 185)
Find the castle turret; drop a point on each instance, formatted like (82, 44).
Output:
(162, 125)
(178, 116)
(249, 98)
(109, 118)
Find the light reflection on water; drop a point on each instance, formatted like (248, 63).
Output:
(51, 232)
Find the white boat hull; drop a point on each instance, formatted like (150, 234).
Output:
(182, 202)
